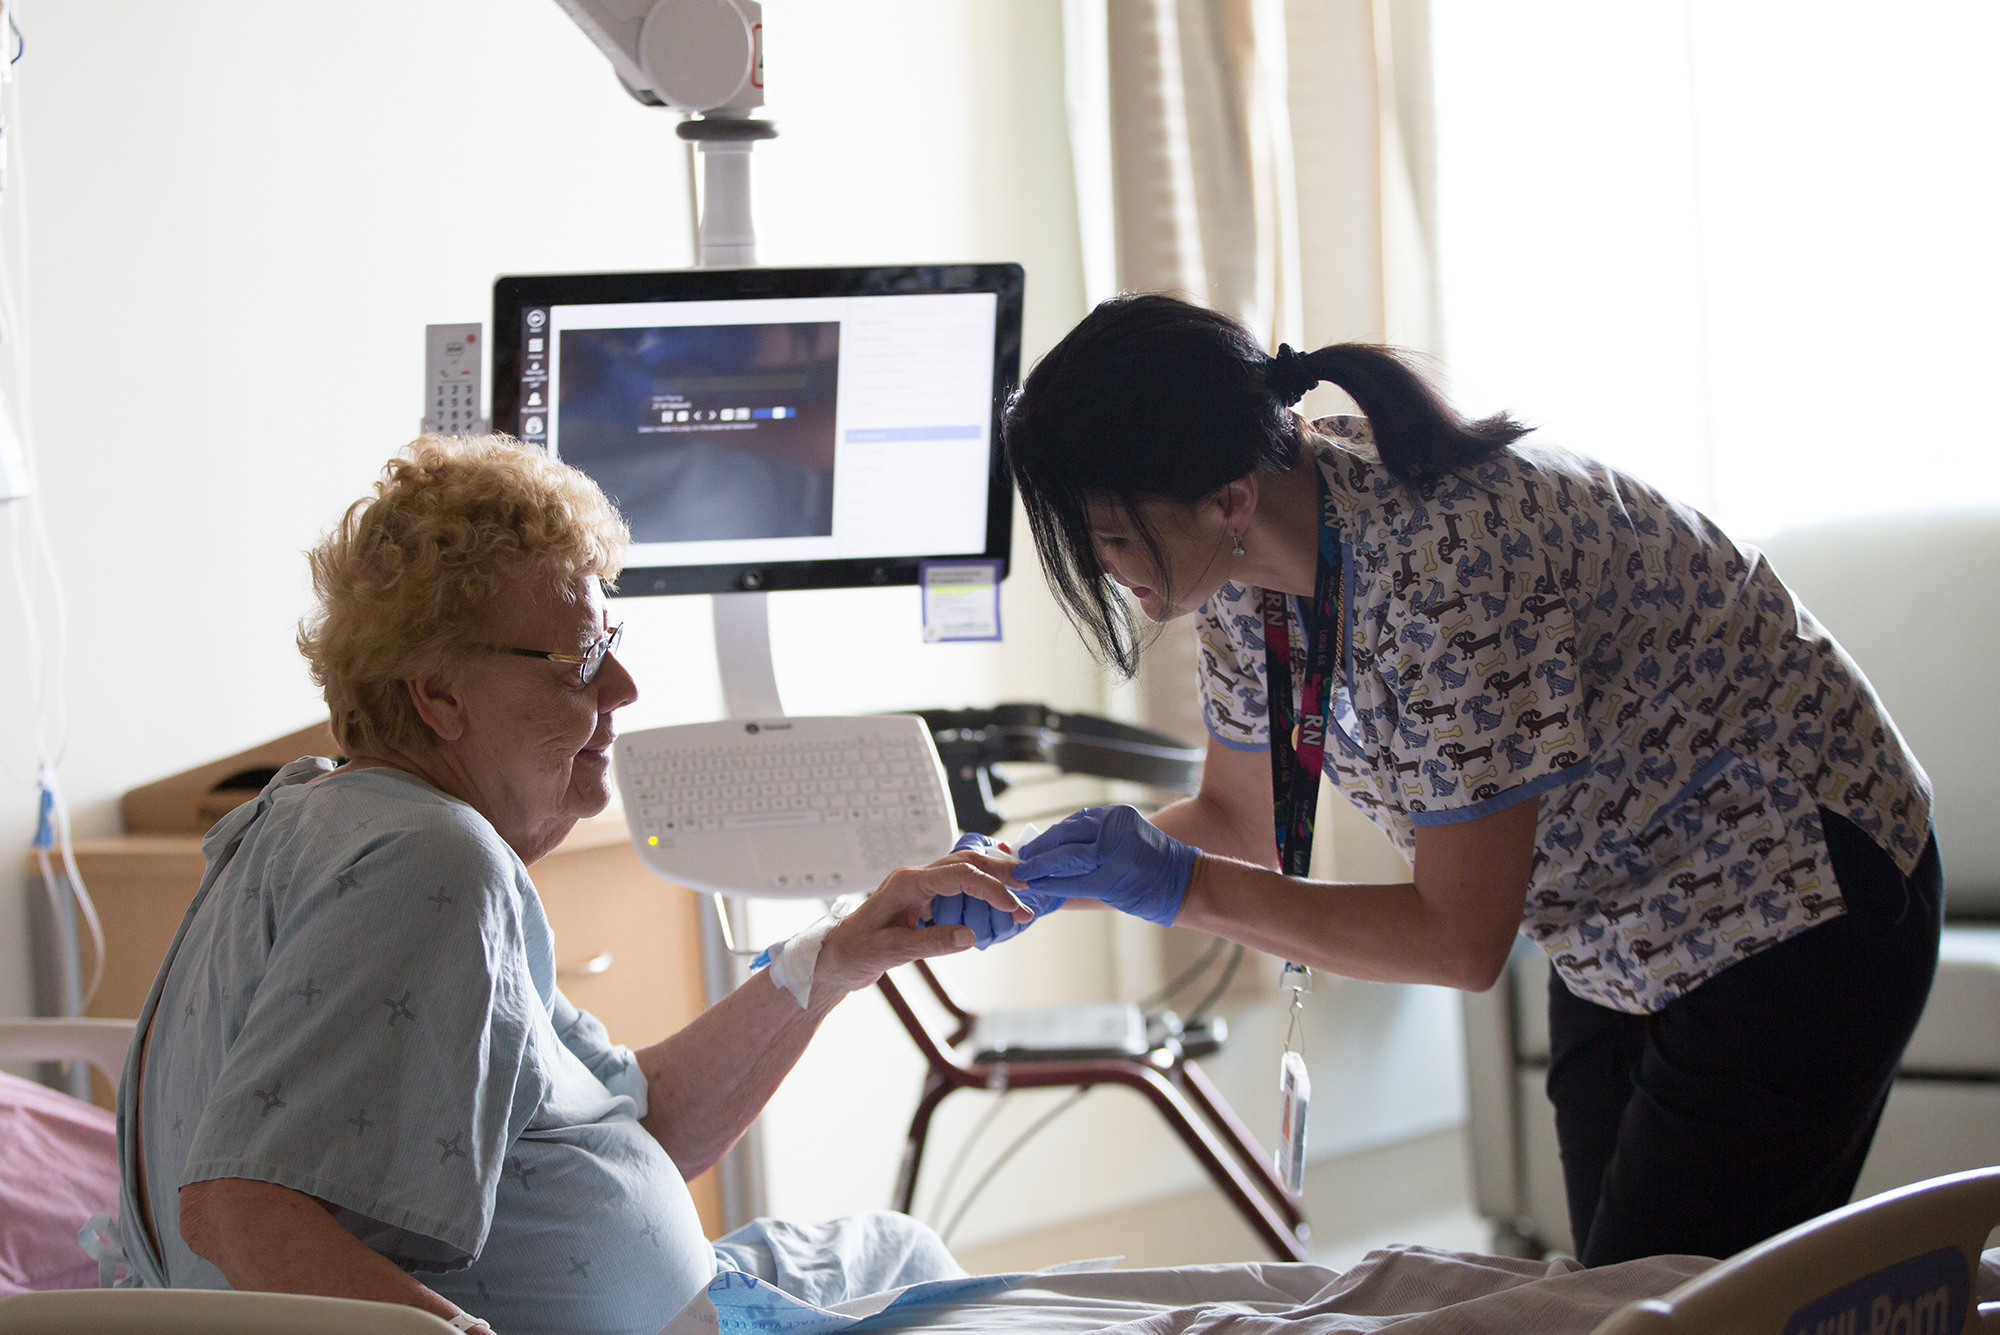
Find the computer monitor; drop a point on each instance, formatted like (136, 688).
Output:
(773, 428)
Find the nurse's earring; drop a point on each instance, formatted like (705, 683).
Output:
(1237, 550)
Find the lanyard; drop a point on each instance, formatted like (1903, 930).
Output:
(1298, 741)
(1298, 754)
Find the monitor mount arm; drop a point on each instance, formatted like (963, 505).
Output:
(706, 58)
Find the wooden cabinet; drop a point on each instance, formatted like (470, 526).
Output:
(628, 948)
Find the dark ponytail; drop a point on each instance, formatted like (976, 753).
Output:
(1417, 434)
(1151, 396)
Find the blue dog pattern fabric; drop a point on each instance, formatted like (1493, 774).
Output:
(1540, 625)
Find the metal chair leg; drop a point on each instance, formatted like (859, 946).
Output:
(1279, 1232)
(1205, 1096)
(913, 1145)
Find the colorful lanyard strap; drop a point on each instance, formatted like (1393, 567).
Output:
(1298, 753)
(1298, 741)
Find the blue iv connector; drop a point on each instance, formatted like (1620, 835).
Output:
(45, 824)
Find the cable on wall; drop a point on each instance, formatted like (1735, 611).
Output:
(37, 580)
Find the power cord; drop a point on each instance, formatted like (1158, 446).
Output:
(35, 572)
(1207, 1003)
(994, 1168)
(965, 1151)
(1187, 976)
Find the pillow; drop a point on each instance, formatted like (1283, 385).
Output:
(58, 1167)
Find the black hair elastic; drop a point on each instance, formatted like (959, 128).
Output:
(1290, 375)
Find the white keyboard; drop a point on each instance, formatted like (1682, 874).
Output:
(804, 808)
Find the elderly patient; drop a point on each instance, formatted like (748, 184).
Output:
(355, 1067)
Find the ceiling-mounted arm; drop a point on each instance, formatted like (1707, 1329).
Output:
(703, 56)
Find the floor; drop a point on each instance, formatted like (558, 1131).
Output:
(1414, 1191)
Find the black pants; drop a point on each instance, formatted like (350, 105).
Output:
(1748, 1105)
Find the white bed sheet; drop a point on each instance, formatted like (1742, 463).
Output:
(1409, 1290)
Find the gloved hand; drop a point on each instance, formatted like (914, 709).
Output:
(989, 925)
(1113, 854)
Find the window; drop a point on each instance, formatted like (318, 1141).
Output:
(1744, 249)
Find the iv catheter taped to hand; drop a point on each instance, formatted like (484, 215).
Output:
(793, 960)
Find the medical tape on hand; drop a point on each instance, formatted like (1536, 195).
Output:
(793, 960)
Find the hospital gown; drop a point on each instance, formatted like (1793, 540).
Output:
(362, 1006)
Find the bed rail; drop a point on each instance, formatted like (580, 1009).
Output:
(1905, 1261)
(206, 1312)
(102, 1043)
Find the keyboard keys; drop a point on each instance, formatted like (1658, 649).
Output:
(779, 820)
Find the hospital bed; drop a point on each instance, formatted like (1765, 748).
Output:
(1906, 1261)
(103, 1044)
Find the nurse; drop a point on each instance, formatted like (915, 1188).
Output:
(1578, 708)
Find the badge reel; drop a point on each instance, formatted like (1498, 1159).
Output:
(1294, 1086)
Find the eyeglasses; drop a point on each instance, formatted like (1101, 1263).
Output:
(588, 663)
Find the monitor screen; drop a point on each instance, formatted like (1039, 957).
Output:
(773, 428)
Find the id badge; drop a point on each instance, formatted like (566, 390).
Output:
(1295, 1095)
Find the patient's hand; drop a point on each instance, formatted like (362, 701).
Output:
(989, 926)
(889, 928)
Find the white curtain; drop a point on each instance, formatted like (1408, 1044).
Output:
(1269, 158)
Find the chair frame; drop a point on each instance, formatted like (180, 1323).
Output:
(1173, 1084)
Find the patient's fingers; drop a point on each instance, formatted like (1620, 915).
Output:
(981, 882)
(886, 929)
(1000, 867)
(923, 943)
(912, 889)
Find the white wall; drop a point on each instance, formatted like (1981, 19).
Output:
(241, 215)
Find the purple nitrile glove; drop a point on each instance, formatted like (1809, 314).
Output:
(989, 925)
(1113, 854)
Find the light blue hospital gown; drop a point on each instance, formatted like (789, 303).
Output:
(362, 1006)
(1540, 625)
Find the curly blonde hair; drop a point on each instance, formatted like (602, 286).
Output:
(403, 581)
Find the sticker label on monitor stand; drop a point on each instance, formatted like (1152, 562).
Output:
(961, 600)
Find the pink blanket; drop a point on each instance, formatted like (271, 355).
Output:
(58, 1166)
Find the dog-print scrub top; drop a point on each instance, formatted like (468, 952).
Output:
(1541, 626)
